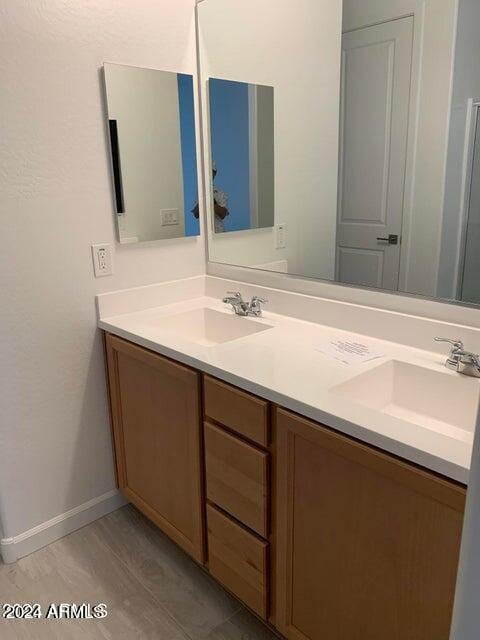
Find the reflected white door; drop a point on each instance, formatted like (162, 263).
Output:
(376, 79)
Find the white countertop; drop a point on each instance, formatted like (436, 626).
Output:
(284, 365)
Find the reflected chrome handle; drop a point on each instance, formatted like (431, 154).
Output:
(456, 344)
(234, 298)
(391, 239)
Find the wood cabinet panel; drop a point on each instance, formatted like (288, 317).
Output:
(237, 410)
(238, 559)
(157, 432)
(237, 478)
(367, 545)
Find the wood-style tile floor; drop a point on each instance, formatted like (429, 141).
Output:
(152, 589)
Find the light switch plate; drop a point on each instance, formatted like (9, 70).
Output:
(169, 217)
(281, 236)
(102, 260)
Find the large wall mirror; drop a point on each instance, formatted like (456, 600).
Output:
(151, 123)
(376, 139)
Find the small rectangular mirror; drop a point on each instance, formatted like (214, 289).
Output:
(151, 118)
(242, 155)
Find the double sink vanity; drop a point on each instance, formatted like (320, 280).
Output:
(328, 497)
(301, 418)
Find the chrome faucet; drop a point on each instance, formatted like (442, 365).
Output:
(255, 306)
(235, 298)
(243, 308)
(464, 362)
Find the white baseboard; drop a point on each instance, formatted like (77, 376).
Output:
(12, 549)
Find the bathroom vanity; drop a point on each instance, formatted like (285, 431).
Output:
(314, 459)
(314, 526)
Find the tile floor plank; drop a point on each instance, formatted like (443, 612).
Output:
(192, 597)
(152, 589)
(243, 626)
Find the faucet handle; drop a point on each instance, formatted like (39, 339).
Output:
(457, 345)
(460, 360)
(255, 306)
(232, 296)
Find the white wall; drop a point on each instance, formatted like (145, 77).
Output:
(145, 103)
(294, 47)
(55, 201)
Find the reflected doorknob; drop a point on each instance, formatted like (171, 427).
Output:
(392, 239)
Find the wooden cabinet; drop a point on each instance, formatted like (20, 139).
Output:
(157, 433)
(237, 479)
(355, 545)
(367, 545)
(237, 473)
(238, 559)
(241, 412)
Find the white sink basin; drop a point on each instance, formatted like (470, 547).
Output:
(209, 327)
(444, 402)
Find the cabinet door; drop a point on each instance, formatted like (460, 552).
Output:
(367, 545)
(157, 433)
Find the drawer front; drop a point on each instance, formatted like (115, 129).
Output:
(238, 559)
(237, 478)
(237, 410)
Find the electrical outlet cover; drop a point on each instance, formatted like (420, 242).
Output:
(102, 260)
(169, 217)
(281, 236)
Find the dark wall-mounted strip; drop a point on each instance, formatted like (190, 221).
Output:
(117, 169)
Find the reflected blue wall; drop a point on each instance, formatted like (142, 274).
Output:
(230, 148)
(189, 156)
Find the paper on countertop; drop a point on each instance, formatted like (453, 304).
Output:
(349, 351)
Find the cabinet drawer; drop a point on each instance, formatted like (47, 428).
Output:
(237, 478)
(238, 559)
(237, 410)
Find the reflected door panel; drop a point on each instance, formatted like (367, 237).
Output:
(376, 77)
